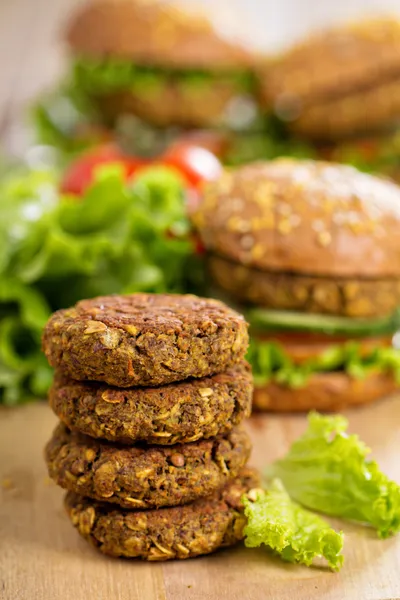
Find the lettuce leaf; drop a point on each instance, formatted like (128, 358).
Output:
(327, 470)
(24, 371)
(54, 250)
(291, 531)
(271, 363)
(113, 74)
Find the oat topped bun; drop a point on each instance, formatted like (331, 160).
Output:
(335, 61)
(152, 33)
(303, 216)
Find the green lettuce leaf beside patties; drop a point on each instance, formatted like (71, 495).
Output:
(295, 534)
(328, 470)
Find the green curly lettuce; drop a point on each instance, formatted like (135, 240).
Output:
(327, 470)
(24, 371)
(56, 249)
(292, 532)
(270, 362)
(114, 74)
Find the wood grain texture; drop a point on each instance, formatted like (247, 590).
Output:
(43, 558)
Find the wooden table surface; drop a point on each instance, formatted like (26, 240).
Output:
(42, 557)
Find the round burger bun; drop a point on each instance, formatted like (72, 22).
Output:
(333, 62)
(330, 392)
(303, 216)
(359, 112)
(152, 33)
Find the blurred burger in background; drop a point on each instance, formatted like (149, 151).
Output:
(148, 72)
(162, 64)
(311, 252)
(340, 90)
(154, 71)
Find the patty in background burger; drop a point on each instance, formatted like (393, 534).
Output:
(312, 251)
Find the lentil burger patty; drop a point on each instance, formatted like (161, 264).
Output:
(179, 532)
(350, 296)
(178, 412)
(145, 339)
(148, 476)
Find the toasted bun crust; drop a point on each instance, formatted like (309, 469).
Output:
(152, 33)
(303, 217)
(324, 392)
(335, 61)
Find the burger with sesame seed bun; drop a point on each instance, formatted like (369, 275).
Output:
(340, 89)
(159, 70)
(311, 251)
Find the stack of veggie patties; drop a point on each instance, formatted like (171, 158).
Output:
(151, 390)
(311, 250)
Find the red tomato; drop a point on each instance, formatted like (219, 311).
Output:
(80, 174)
(195, 163)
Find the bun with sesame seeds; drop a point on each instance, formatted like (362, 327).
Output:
(316, 238)
(303, 217)
(339, 82)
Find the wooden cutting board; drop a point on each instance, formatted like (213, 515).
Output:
(43, 558)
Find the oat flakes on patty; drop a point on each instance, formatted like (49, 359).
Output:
(146, 476)
(157, 535)
(175, 413)
(145, 339)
